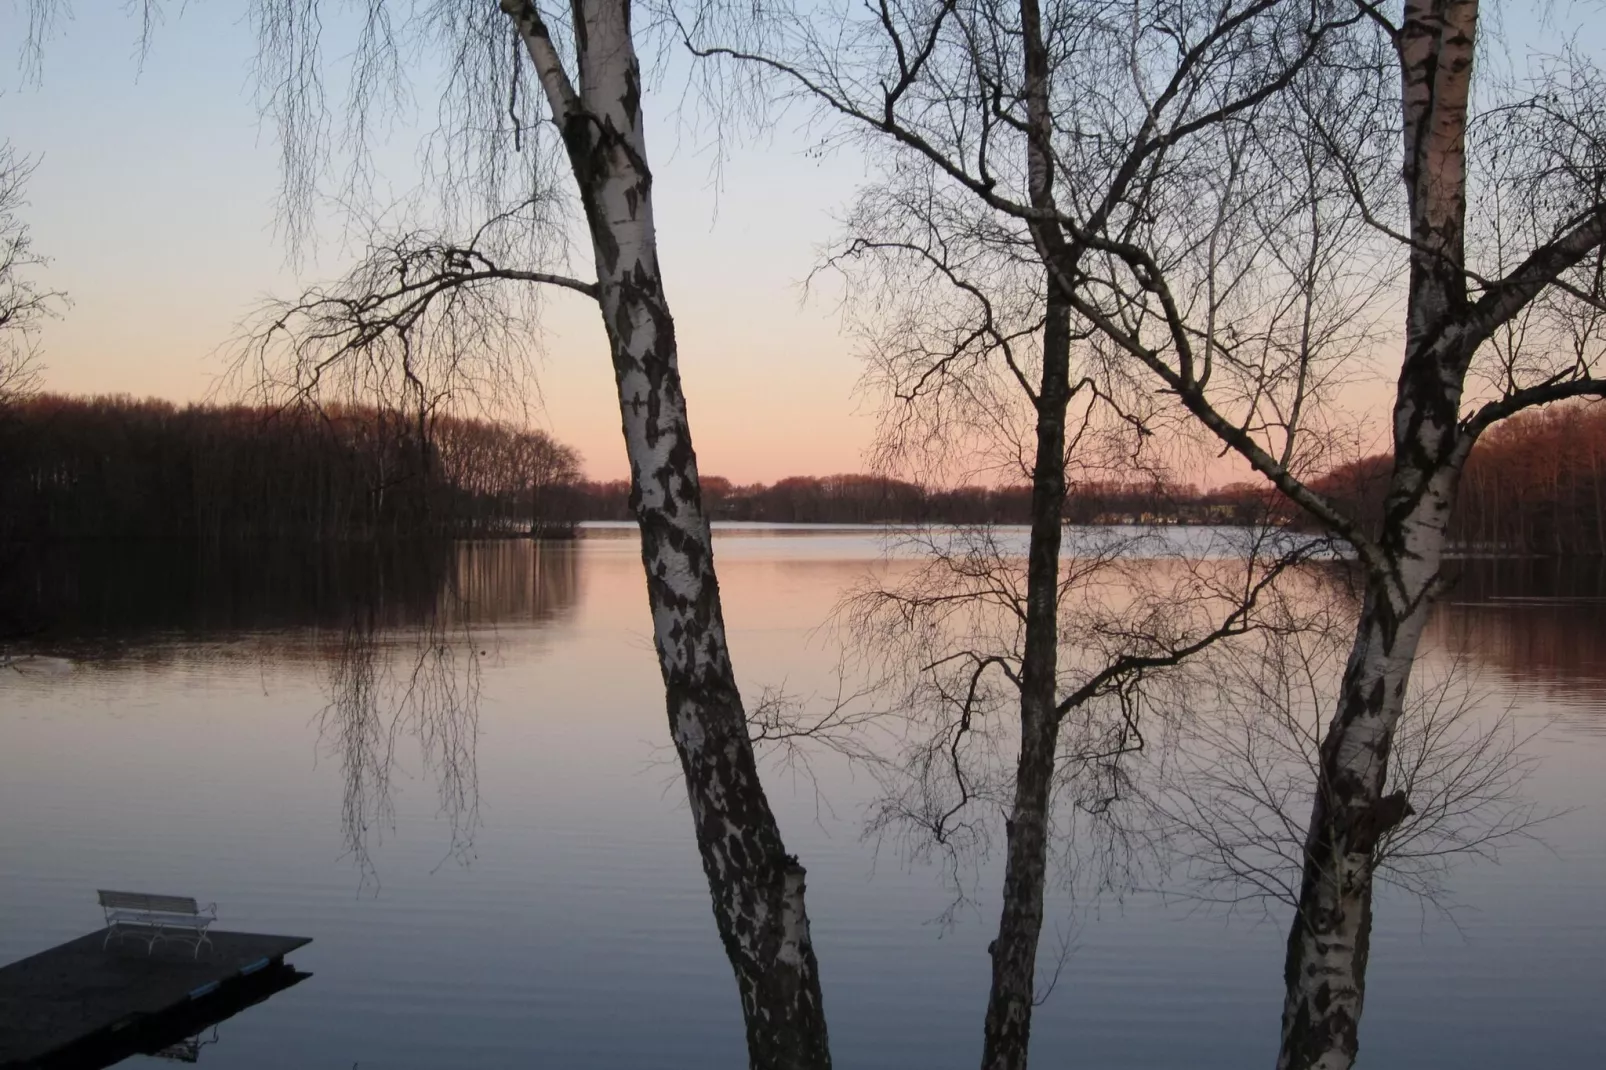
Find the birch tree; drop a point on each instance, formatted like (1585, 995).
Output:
(1170, 167)
(981, 177)
(757, 888)
(1454, 314)
(431, 314)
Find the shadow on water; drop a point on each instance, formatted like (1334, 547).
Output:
(176, 1036)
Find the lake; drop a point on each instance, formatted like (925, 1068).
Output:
(516, 884)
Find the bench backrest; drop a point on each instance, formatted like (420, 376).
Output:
(159, 904)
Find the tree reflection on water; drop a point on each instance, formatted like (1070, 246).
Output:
(1533, 621)
(417, 675)
(100, 599)
(397, 631)
(421, 681)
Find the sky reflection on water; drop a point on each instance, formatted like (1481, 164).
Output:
(169, 739)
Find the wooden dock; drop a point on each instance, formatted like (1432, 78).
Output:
(78, 1005)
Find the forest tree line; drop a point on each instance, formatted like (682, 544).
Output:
(1535, 484)
(871, 499)
(99, 467)
(118, 467)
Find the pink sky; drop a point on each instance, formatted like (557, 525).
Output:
(154, 195)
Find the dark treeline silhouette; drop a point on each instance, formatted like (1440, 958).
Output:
(836, 499)
(116, 467)
(1535, 484)
(863, 499)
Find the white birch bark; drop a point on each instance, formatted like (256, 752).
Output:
(1329, 941)
(756, 887)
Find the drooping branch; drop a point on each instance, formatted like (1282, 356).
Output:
(1240, 618)
(23, 302)
(420, 322)
(1231, 807)
(384, 685)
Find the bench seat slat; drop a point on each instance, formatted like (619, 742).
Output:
(175, 904)
(154, 921)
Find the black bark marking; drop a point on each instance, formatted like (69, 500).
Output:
(582, 46)
(756, 888)
(1377, 820)
(631, 101)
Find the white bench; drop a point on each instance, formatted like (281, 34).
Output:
(154, 918)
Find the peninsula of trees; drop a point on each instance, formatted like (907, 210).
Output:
(117, 467)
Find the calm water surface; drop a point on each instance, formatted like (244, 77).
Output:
(544, 906)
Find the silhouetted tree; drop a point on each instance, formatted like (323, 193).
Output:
(23, 302)
(1020, 146)
(114, 467)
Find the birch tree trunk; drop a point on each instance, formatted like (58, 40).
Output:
(1007, 1030)
(756, 887)
(1020, 923)
(1328, 944)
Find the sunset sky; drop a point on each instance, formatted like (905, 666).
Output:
(154, 196)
